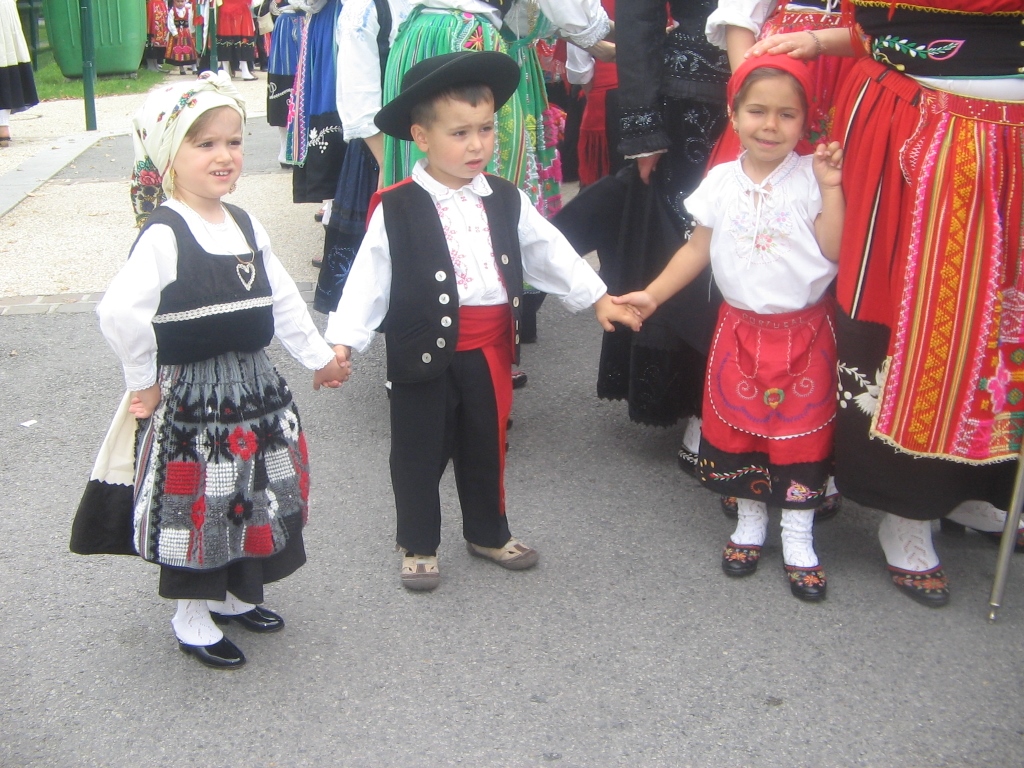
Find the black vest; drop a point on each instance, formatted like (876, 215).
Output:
(207, 311)
(422, 324)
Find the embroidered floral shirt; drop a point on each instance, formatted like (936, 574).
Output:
(764, 255)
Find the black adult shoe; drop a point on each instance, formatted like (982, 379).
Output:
(257, 620)
(929, 587)
(519, 379)
(221, 655)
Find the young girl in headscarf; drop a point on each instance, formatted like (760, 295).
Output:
(769, 224)
(218, 492)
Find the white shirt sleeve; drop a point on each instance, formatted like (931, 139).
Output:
(579, 65)
(582, 22)
(358, 90)
(130, 302)
(293, 325)
(749, 14)
(364, 302)
(551, 265)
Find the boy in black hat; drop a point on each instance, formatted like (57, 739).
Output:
(440, 273)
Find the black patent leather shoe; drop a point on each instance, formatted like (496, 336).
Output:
(257, 620)
(221, 655)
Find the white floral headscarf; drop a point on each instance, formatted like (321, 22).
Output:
(160, 126)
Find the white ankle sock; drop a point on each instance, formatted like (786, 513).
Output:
(907, 543)
(981, 516)
(691, 437)
(229, 606)
(798, 539)
(281, 158)
(193, 624)
(831, 490)
(751, 523)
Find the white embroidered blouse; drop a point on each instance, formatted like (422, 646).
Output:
(549, 263)
(764, 255)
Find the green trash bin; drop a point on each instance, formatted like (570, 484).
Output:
(119, 27)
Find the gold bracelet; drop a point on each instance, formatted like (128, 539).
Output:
(819, 49)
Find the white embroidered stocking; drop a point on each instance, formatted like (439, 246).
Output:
(751, 524)
(797, 538)
(907, 543)
(193, 624)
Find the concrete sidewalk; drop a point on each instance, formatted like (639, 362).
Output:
(65, 230)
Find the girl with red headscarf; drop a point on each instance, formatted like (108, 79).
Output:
(769, 224)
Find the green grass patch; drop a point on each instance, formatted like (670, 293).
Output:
(52, 85)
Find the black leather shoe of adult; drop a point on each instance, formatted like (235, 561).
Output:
(257, 620)
(929, 588)
(221, 655)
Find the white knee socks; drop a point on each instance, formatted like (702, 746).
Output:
(281, 157)
(751, 523)
(193, 624)
(981, 516)
(797, 538)
(229, 606)
(907, 543)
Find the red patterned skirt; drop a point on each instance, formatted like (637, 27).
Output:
(769, 406)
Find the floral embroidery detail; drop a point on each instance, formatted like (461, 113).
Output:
(239, 509)
(867, 400)
(806, 577)
(243, 443)
(218, 446)
(773, 397)
(318, 138)
(475, 42)
(736, 553)
(800, 493)
(923, 581)
(183, 443)
(937, 50)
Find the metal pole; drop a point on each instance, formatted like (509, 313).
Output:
(1009, 540)
(211, 35)
(88, 63)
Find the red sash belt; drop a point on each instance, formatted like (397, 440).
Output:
(484, 327)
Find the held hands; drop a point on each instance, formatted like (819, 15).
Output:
(602, 50)
(336, 372)
(640, 304)
(828, 165)
(144, 402)
(608, 311)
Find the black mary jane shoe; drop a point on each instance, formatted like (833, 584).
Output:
(807, 583)
(959, 529)
(221, 655)
(929, 588)
(740, 560)
(257, 620)
(519, 379)
(730, 506)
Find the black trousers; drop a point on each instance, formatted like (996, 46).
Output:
(452, 417)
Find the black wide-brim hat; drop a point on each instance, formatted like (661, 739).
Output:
(496, 70)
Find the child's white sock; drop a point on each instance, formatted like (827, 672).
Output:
(229, 606)
(281, 157)
(981, 516)
(797, 539)
(691, 437)
(907, 543)
(831, 490)
(193, 624)
(243, 68)
(751, 523)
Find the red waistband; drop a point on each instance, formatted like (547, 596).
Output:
(484, 326)
(782, 320)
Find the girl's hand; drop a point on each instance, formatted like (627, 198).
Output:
(646, 166)
(608, 311)
(828, 165)
(332, 375)
(144, 402)
(799, 45)
(640, 303)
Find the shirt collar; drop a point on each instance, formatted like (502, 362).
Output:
(439, 191)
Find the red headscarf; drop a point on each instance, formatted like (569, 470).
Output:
(788, 64)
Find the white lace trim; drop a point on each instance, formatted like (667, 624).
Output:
(215, 309)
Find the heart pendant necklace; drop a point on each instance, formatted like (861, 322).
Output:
(245, 268)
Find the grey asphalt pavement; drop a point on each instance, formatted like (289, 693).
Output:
(626, 646)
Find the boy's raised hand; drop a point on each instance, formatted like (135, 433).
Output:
(609, 311)
(828, 165)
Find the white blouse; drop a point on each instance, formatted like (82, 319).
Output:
(764, 254)
(358, 88)
(549, 263)
(582, 22)
(127, 309)
(751, 14)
